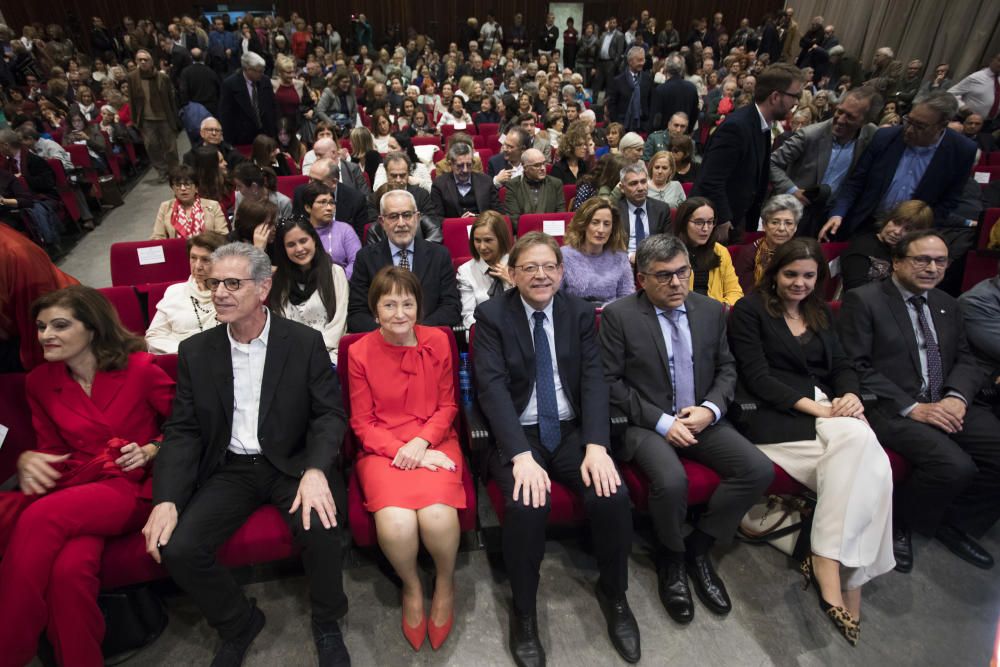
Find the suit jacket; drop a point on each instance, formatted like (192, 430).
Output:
(657, 216)
(429, 228)
(505, 367)
(39, 176)
(444, 195)
(550, 198)
(734, 170)
(668, 98)
(616, 49)
(773, 369)
(352, 207)
(619, 95)
(981, 312)
(239, 126)
(180, 60)
(496, 164)
(801, 161)
(301, 418)
(637, 368)
(941, 186)
(431, 263)
(877, 332)
(200, 83)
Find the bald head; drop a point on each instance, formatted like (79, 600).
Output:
(324, 147)
(532, 155)
(325, 170)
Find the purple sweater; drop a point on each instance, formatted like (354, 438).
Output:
(603, 277)
(341, 244)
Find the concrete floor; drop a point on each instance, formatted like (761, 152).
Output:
(944, 613)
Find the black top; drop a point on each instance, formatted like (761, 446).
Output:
(689, 177)
(701, 281)
(867, 259)
(813, 351)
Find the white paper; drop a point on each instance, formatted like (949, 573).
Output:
(3, 434)
(554, 227)
(151, 255)
(982, 176)
(468, 231)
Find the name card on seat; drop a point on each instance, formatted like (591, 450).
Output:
(151, 255)
(554, 227)
(982, 176)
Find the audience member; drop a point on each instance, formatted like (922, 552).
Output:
(630, 93)
(336, 238)
(674, 95)
(506, 164)
(255, 225)
(533, 191)
(211, 135)
(350, 205)
(662, 186)
(485, 275)
(712, 272)
(576, 152)
(462, 193)
(187, 214)
(658, 141)
(595, 262)
(253, 183)
(781, 215)
(868, 258)
(151, 98)
(246, 103)
(981, 316)
(682, 148)
(641, 215)
(199, 83)
(978, 91)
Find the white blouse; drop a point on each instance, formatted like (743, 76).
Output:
(183, 312)
(474, 283)
(312, 313)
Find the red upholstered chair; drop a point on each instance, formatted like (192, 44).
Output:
(132, 264)
(978, 267)
(990, 217)
(750, 237)
(492, 141)
(81, 160)
(16, 416)
(244, 149)
(65, 190)
(361, 521)
(154, 292)
(688, 186)
(569, 193)
(426, 141)
(736, 250)
(438, 156)
(484, 155)
(489, 129)
(345, 144)
(287, 184)
(993, 158)
(479, 141)
(832, 252)
(456, 236)
(502, 194)
(553, 224)
(126, 303)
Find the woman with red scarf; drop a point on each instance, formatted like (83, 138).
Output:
(187, 214)
(96, 409)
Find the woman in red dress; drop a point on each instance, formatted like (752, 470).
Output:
(402, 392)
(96, 408)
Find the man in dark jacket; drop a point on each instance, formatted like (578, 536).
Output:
(246, 106)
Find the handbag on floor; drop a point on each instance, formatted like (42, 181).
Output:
(783, 522)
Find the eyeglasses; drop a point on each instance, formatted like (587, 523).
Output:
(794, 96)
(212, 130)
(396, 217)
(703, 224)
(921, 262)
(918, 126)
(231, 284)
(182, 184)
(531, 269)
(667, 277)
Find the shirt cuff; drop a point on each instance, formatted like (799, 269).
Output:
(905, 412)
(664, 423)
(791, 191)
(955, 394)
(715, 410)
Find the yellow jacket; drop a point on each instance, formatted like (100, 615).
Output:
(723, 285)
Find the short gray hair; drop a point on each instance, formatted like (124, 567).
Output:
(260, 263)
(885, 51)
(942, 102)
(9, 136)
(396, 193)
(396, 156)
(333, 171)
(635, 50)
(459, 149)
(569, 88)
(675, 66)
(637, 168)
(779, 203)
(251, 60)
(659, 248)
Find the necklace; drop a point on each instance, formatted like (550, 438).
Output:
(200, 310)
(792, 317)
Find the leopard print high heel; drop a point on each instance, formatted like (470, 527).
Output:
(842, 619)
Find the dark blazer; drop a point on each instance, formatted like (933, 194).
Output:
(496, 164)
(239, 126)
(773, 370)
(302, 422)
(735, 168)
(668, 98)
(941, 186)
(505, 367)
(431, 263)
(619, 94)
(636, 365)
(200, 83)
(444, 195)
(39, 176)
(657, 216)
(878, 335)
(352, 207)
(430, 224)
(180, 60)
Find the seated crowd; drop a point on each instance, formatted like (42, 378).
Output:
(734, 257)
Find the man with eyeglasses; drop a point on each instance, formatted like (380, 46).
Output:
(397, 177)
(258, 420)
(668, 364)
(735, 170)
(542, 389)
(909, 344)
(506, 164)
(246, 103)
(922, 159)
(463, 193)
(534, 191)
(431, 263)
(210, 132)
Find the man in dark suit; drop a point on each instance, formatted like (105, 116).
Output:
(610, 49)
(462, 193)
(429, 261)
(629, 93)
(506, 164)
(908, 341)
(814, 162)
(351, 206)
(257, 420)
(199, 83)
(735, 169)
(668, 365)
(541, 386)
(397, 177)
(246, 106)
(534, 191)
(923, 159)
(178, 58)
(643, 216)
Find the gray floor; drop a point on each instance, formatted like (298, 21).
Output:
(944, 613)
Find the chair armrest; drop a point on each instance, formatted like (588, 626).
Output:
(619, 422)
(477, 429)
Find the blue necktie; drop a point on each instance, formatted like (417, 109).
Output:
(640, 229)
(683, 363)
(545, 388)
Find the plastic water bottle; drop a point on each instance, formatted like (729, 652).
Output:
(465, 379)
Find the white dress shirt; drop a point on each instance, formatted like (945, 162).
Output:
(248, 376)
(976, 91)
(530, 415)
(474, 283)
(183, 312)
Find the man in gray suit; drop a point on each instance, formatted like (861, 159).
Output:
(534, 191)
(610, 49)
(643, 217)
(668, 367)
(814, 161)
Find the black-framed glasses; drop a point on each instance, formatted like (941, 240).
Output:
(916, 125)
(921, 262)
(667, 277)
(231, 284)
(703, 224)
(794, 96)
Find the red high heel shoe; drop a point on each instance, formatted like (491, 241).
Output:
(416, 635)
(439, 633)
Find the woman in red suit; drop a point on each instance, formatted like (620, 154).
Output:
(96, 408)
(410, 467)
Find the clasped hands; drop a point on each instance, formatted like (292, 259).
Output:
(417, 454)
(948, 414)
(688, 423)
(36, 475)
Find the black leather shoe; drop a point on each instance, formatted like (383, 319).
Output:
(525, 645)
(672, 582)
(707, 584)
(232, 651)
(963, 546)
(622, 628)
(330, 645)
(902, 549)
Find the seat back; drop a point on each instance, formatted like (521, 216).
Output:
(986, 174)
(489, 129)
(244, 149)
(553, 224)
(688, 186)
(456, 233)
(426, 141)
(155, 261)
(832, 253)
(990, 218)
(978, 267)
(287, 184)
(16, 416)
(126, 303)
(484, 155)
(569, 194)
(154, 292)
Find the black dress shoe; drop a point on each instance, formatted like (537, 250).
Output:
(902, 549)
(525, 645)
(622, 628)
(672, 582)
(711, 591)
(963, 546)
(330, 647)
(232, 651)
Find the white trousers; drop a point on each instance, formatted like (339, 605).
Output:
(849, 471)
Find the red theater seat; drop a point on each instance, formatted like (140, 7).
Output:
(978, 267)
(126, 303)
(132, 263)
(154, 293)
(455, 232)
(569, 193)
(16, 416)
(287, 184)
(553, 224)
(990, 218)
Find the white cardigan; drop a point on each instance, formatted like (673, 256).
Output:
(312, 313)
(474, 287)
(177, 318)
